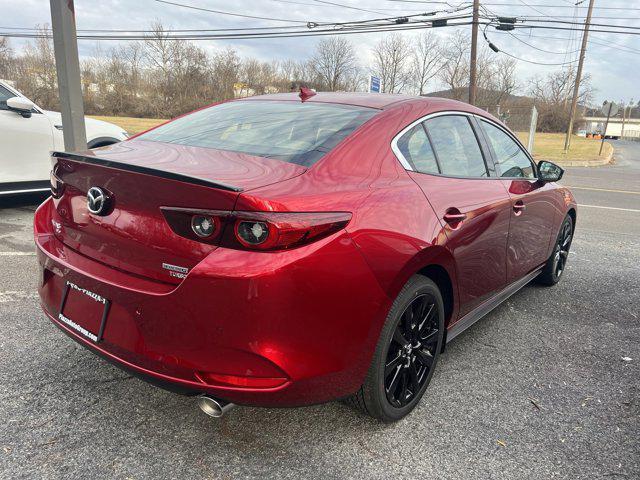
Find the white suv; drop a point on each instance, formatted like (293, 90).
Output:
(27, 136)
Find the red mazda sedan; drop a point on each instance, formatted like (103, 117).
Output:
(284, 251)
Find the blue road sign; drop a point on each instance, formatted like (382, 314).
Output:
(374, 84)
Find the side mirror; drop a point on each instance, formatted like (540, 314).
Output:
(21, 105)
(549, 172)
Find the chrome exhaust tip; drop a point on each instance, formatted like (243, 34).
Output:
(213, 407)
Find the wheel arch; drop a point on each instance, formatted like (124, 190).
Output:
(439, 275)
(437, 264)
(572, 213)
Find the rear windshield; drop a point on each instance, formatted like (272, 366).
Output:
(295, 132)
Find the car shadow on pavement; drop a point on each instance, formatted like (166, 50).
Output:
(31, 200)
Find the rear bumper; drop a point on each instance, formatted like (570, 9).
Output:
(310, 317)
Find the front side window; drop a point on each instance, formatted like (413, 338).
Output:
(511, 161)
(416, 149)
(456, 146)
(295, 132)
(4, 96)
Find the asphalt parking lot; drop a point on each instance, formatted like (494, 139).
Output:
(546, 386)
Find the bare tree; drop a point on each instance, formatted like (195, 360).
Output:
(391, 57)
(505, 77)
(496, 78)
(225, 71)
(426, 61)
(36, 76)
(551, 94)
(333, 62)
(6, 58)
(181, 76)
(455, 72)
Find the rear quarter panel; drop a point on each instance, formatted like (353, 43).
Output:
(393, 225)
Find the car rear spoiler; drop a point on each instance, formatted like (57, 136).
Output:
(76, 157)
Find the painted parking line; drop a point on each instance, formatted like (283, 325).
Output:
(631, 192)
(609, 208)
(17, 254)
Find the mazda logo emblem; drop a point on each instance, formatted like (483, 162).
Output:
(97, 201)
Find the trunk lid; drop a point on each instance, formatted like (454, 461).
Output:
(139, 177)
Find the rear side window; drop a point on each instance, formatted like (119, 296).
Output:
(510, 159)
(295, 132)
(456, 146)
(416, 149)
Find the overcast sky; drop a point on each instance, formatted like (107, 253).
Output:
(612, 60)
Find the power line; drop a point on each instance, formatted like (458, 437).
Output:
(202, 9)
(344, 29)
(537, 63)
(517, 5)
(533, 8)
(595, 16)
(397, 20)
(108, 30)
(248, 36)
(619, 46)
(565, 53)
(347, 6)
(566, 22)
(496, 49)
(312, 26)
(569, 29)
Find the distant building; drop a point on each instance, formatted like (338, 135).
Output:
(595, 125)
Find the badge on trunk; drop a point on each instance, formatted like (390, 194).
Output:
(98, 201)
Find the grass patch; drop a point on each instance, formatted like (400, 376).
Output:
(550, 146)
(130, 124)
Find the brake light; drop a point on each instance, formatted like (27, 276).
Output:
(265, 231)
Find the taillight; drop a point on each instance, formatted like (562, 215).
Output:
(205, 226)
(201, 225)
(264, 231)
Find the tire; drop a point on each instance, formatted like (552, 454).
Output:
(379, 396)
(557, 262)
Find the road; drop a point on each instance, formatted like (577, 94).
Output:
(546, 386)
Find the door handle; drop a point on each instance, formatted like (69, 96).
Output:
(454, 216)
(519, 207)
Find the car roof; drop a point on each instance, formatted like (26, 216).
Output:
(379, 101)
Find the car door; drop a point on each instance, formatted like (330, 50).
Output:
(447, 162)
(25, 144)
(532, 202)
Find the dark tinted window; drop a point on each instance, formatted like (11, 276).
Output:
(510, 159)
(416, 149)
(295, 132)
(456, 146)
(4, 95)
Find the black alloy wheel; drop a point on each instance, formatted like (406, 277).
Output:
(411, 351)
(557, 263)
(561, 251)
(406, 354)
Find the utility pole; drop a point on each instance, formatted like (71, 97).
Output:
(576, 87)
(65, 45)
(474, 53)
(606, 125)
